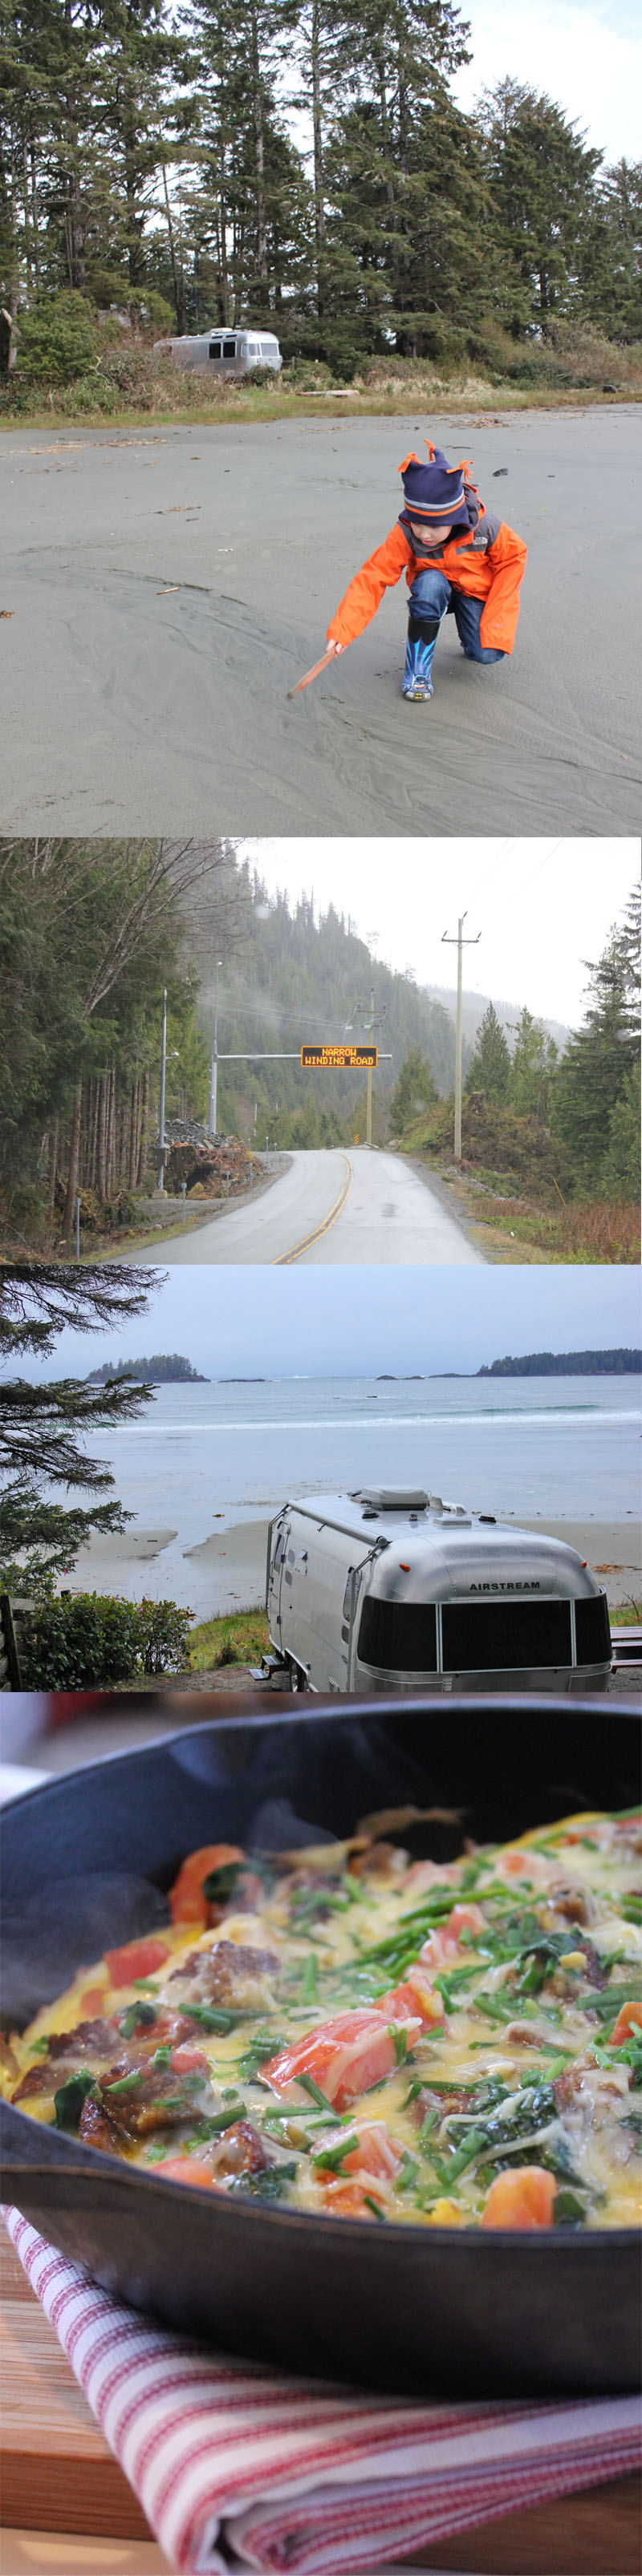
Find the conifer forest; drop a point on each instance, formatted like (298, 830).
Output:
(304, 161)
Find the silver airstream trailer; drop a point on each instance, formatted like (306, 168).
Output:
(386, 1590)
(224, 353)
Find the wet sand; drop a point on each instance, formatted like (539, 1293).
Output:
(223, 1572)
(228, 1567)
(167, 587)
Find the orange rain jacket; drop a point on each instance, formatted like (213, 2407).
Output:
(487, 561)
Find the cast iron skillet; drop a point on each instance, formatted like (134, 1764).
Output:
(465, 2312)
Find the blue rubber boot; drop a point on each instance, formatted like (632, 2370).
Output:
(417, 682)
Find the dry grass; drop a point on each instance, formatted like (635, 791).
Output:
(132, 388)
(241, 1639)
(601, 1230)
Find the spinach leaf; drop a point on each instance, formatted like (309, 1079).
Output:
(68, 2101)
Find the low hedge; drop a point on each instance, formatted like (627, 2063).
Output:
(90, 1638)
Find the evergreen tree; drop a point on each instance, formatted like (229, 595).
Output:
(594, 1079)
(532, 1067)
(44, 1427)
(619, 1173)
(415, 1090)
(490, 1067)
(90, 935)
(541, 178)
(610, 263)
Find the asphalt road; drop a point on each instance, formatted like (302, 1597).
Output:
(164, 588)
(330, 1206)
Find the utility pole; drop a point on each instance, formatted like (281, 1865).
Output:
(460, 944)
(214, 1067)
(161, 1140)
(373, 1022)
(369, 1075)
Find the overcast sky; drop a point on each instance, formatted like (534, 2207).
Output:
(541, 906)
(354, 1323)
(585, 54)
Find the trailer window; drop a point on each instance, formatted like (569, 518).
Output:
(502, 1636)
(592, 1631)
(229, 348)
(399, 1636)
(215, 348)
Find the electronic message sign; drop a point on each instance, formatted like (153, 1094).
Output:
(345, 1058)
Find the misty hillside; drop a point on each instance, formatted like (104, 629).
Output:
(288, 976)
(293, 976)
(475, 1004)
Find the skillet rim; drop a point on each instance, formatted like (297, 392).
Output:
(93, 2162)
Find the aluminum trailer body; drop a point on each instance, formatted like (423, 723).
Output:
(385, 1590)
(224, 353)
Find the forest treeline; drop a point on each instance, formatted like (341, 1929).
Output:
(618, 1363)
(303, 161)
(165, 1368)
(92, 933)
(552, 1117)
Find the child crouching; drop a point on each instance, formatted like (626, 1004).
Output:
(458, 560)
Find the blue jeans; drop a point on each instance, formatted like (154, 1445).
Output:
(431, 597)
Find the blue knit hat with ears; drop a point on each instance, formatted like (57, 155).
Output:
(435, 492)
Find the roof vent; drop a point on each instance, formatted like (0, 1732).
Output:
(391, 1498)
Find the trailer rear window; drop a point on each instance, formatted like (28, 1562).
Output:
(592, 1630)
(502, 1636)
(399, 1636)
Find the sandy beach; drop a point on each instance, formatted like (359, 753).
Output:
(160, 581)
(233, 1563)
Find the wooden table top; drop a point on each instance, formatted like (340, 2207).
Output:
(59, 2476)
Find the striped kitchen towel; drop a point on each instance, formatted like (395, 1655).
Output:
(238, 2465)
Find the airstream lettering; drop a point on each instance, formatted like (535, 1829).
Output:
(470, 1604)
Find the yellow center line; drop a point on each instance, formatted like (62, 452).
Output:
(295, 1255)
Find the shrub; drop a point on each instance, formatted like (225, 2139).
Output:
(89, 1638)
(57, 338)
(261, 377)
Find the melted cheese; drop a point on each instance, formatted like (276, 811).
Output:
(522, 2068)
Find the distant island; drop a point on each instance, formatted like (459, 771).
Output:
(567, 1364)
(165, 1368)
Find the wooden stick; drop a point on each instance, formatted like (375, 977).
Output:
(314, 674)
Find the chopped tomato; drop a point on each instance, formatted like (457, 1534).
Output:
(366, 2175)
(415, 1996)
(187, 1904)
(186, 2169)
(186, 2056)
(444, 1941)
(91, 2002)
(521, 2199)
(628, 2020)
(344, 2056)
(376, 2154)
(136, 1959)
(464, 1918)
(352, 2199)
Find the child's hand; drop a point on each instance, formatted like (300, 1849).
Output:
(333, 647)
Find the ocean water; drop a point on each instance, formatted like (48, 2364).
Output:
(203, 1458)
